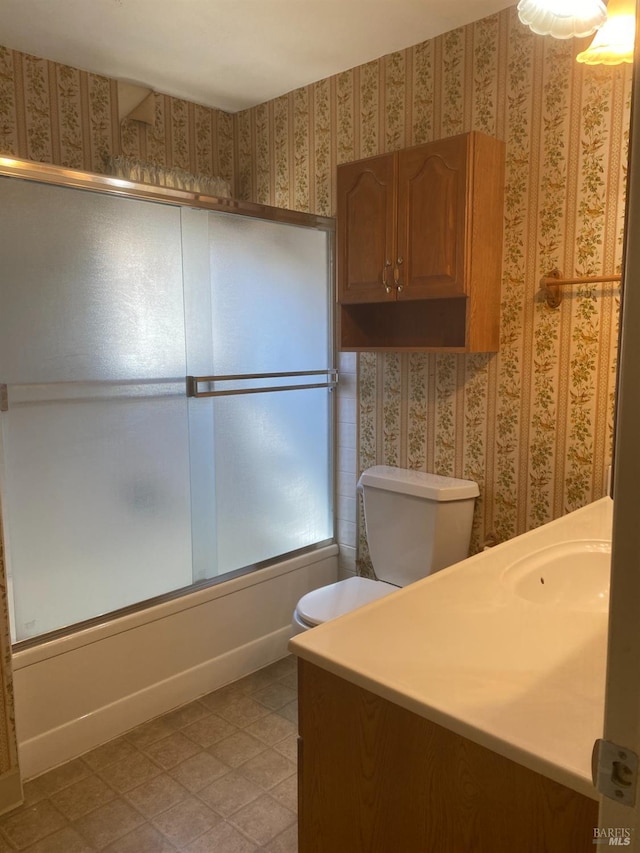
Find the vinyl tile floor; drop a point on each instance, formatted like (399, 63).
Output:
(215, 776)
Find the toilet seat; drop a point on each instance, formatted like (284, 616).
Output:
(337, 599)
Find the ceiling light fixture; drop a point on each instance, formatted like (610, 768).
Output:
(613, 43)
(562, 19)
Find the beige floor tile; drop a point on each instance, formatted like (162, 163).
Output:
(220, 753)
(263, 819)
(66, 840)
(255, 681)
(288, 747)
(209, 729)
(61, 777)
(172, 750)
(198, 771)
(282, 667)
(149, 733)
(290, 712)
(267, 769)
(83, 797)
(286, 842)
(28, 825)
(237, 748)
(185, 715)
(186, 821)
(109, 753)
(230, 793)
(286, 792)
(275, 696)
(131, 772)
(243, 711)
(105, 825)
(271, 729)
(146, 839)
(221, 697)
(32, 793)
(223, 838)
(157, 795)
(4, 846)
(291, 680)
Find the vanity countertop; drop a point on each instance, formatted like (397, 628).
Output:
(464, 650)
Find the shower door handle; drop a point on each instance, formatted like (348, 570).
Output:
(193, 383)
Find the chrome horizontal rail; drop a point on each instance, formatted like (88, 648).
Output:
(88, 391)
(193, 383)
(104, 390)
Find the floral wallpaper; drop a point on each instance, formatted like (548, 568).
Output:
(532, 424)
(56, 114)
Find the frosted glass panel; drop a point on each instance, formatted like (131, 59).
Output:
(91, 286)
(98, 513)
(95, 442)
(270, 296)
(272, 475)
(269, 302)
(260, 464)
(116, 487)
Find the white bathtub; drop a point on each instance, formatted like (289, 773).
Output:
(76, 692)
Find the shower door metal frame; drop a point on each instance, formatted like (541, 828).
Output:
(106, 184)
(63, 177)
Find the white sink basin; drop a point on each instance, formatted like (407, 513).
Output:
(571, 575)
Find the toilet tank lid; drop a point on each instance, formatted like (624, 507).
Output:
(418, 483)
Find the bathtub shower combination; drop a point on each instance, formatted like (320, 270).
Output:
(165, 376)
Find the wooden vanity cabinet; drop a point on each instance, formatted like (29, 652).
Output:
(374, 777)
(420, 247)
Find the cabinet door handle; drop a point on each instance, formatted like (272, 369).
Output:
(384, 276)
(396, 276)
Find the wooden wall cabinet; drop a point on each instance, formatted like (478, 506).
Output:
(420, 247)
(375, 778)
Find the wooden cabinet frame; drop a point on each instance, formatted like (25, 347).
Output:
(374, 777)
(419, 247)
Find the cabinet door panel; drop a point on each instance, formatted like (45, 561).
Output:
(366, 227)
(432, 198)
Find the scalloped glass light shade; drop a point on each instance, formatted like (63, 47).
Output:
(613, 43)
(562, 19)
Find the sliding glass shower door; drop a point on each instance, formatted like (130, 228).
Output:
(116, 486)
(95, 435)
(258, 311)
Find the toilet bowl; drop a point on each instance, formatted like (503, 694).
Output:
(336, 599)
(416, 524)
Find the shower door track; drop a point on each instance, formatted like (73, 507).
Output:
(12, 167)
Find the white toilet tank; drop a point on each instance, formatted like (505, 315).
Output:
(416, 523)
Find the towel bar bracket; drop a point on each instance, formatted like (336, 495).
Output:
(551, 283)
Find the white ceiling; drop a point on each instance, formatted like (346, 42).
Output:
(229, 54)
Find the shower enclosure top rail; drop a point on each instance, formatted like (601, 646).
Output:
(44, 173)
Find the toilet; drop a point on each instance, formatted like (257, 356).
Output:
(416, 524)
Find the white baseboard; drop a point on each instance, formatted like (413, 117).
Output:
(78, 736)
